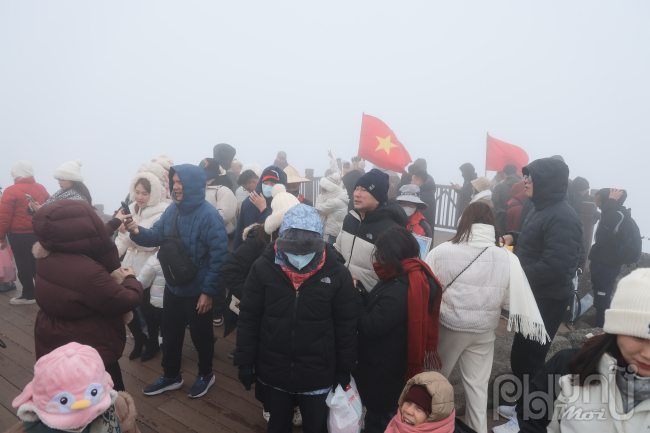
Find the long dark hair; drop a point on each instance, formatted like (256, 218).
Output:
(475, 213)
(585, 363)
(83, 191)
(393, 246)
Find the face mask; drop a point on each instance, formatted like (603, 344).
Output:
(409, 211)
(300, 262)
(267, 190)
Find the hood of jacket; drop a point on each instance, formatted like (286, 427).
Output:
(193, 180)
(421, 162)
(157, 189)
(73, 226)
(442, 400)
(22, 169)
(518, 192)
(604, 195)
(550, 181)
(389, 210)
(468, 171)
(281, 173)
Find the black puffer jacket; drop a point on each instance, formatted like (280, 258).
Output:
(383, 335)
(465, 193)
(298, 340)
(428, 195)
(551, 244)
(235, 271)
(615, 217)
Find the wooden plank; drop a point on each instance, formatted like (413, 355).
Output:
(7, 419)
(15, 373)
(9, 392)
(17, 336)
(233, 412)
(195, 419)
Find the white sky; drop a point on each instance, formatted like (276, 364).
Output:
(117, 83)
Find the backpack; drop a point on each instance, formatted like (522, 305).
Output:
(500, 216)
(628, 250)
(176, 265)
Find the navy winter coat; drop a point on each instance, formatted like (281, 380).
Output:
(551, 244)
(200, 227)
(250, 214)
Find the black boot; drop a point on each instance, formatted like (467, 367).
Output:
(138, 344)
(152, 350)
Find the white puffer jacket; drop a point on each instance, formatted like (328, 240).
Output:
(136, 256)
(223, 199)
(152, 276)
(473, 302)
(332, 206)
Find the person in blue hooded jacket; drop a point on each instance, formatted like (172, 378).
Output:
(257, 206)
(203, 233)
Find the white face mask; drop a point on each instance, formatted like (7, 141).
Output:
(409, 211)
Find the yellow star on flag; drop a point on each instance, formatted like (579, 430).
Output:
(385, 144)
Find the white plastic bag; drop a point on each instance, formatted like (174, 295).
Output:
(346, 410)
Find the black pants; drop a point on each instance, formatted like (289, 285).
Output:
(377, 420)
(21, 245)
(528, 356)
(603, 278)
(178, 312)
(280, 405)
(219, 303)
(152, 316)
(116, 374)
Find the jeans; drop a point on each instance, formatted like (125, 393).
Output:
(280, 405)
(178, 312)
(603, 279)
(21, 245)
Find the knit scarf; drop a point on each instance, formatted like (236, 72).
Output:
(296, 278)
(423, 316)
(414, 224)
(447, 425)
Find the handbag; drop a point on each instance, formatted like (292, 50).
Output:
(176, 264)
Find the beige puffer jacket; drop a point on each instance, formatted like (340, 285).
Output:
(442, 400)
(223, 199)
(136, 256)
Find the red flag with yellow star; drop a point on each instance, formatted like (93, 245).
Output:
(380, 146)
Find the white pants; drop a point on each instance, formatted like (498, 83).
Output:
(474, 354)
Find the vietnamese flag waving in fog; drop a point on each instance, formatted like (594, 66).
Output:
(380, 146)
(499, 153)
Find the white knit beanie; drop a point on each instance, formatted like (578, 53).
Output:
(629, 313)
(69, 171)
(282, 202)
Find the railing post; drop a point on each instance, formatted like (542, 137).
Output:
(309, 190)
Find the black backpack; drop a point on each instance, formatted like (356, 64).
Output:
(500, 216)
(629, 250)
(176, 265)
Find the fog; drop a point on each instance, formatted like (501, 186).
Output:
(118, 83)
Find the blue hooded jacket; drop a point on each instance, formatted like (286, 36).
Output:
(249, 214)
(200, 227)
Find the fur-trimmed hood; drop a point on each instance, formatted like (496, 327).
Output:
(158, 192)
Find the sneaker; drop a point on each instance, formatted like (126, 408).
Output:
(507, 411)
(297, 417)
(201, 386)
(511, 426)
(217, 322)
(163, 384)
(266, 415)
(231, 354)
(21, 301)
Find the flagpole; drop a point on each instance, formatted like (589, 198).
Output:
(486, 149)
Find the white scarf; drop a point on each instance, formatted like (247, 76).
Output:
(483, 195)
(524, 314)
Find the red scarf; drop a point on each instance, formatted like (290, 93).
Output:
(423, 316)
(414, 224)
(296, 278)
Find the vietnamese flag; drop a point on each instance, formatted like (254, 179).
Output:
(379, 145)
(499, 153)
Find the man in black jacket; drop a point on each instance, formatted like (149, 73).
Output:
(297, 328)
(465, 192)
(613, 230)
(550, 248)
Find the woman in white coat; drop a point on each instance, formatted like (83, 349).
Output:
(479, 277)
(332, 206)
(146, 207)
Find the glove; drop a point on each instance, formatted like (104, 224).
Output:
(342, 379)
(246, 376)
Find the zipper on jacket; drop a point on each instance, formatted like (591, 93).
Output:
(353, 241)
(293, 335)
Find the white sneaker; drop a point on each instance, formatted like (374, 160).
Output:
(297, 417)
(21, 301)
(507, 411)
(266, 415)
(511, 426)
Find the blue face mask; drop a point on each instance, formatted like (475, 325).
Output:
(300, 262)
(267, 190)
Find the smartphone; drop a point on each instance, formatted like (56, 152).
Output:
(126, 211)
(29, 197)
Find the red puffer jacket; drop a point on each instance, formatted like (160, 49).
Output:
(78, 283)
(13, 206)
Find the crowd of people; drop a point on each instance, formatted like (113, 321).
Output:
(324, 292)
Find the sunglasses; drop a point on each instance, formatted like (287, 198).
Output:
(528, 179)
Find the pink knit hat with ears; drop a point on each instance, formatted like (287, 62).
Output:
(69, 390)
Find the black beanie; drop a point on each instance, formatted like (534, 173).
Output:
(224, 154)
(376, 183)
(580, 184)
